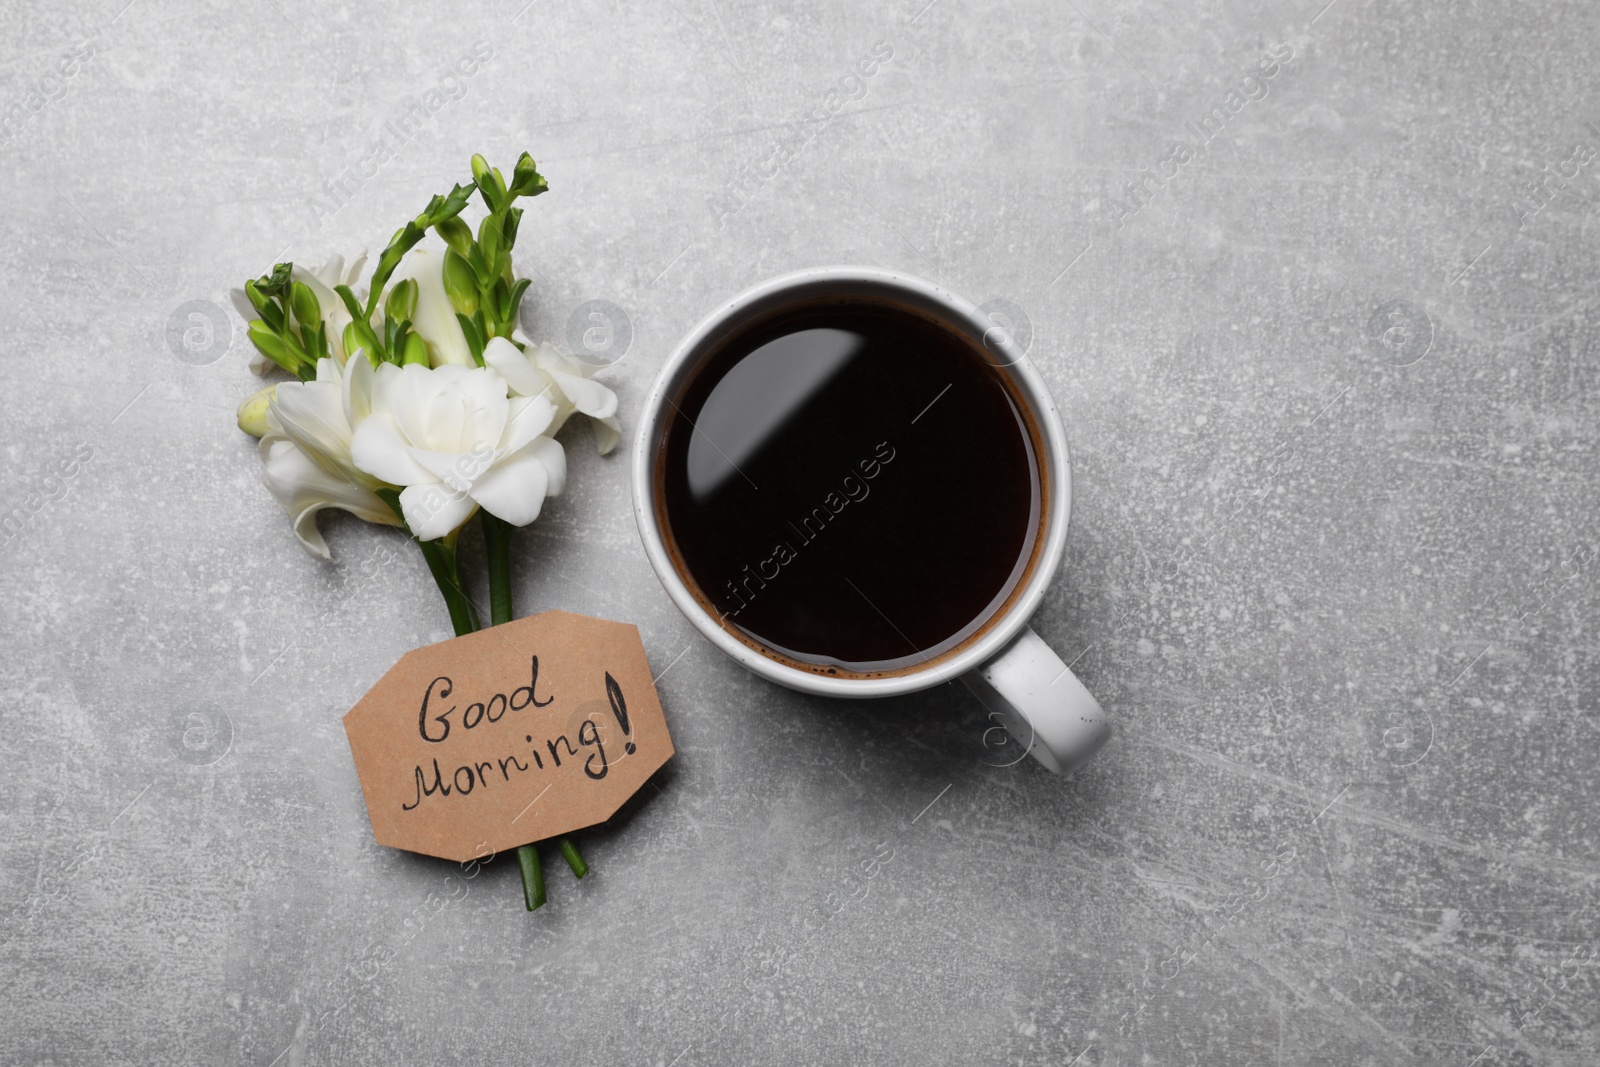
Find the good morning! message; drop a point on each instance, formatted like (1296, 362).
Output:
(514, 734)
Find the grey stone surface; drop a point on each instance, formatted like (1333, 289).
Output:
(1332, 390)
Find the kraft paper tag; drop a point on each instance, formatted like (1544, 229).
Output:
(507, 736)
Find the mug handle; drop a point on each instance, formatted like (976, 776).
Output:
(1041, 703)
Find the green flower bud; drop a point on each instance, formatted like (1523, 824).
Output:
(491, 238)
(526, 179)
(276, 283)
(514, 305)
(508, 228)
(480, 267)
(258, 299)
(500, 300)
(416, 350)
(305, 305)
(274, 347)
(456, 234)
(484, 179)
(359, 335)
(402, 301)
(265, 306)
(489, 182)
(460, 283)
(473, 332)
(253, 412)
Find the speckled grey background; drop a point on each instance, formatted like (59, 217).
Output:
(1332, 390)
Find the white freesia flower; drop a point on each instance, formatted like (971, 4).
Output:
(455, 439)
(542, 370)
(321, 282)
(435, 318)
(306, 450)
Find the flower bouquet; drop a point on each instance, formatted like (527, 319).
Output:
(417, 401)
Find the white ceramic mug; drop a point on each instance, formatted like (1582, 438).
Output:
(1004, 663)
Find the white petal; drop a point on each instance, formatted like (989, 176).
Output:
(589, 397)
(294, 479)
(336, 319)
(407, 395)
(304, 487)
(607, 432)
(457, 470)
(515, 489)
(518, 371)
(352, 273)
(446, 409)
(378, 449)
(312, 413)
(433, 510)
(481, 405)
(386, 379)
(330, 272)
(304, 408)
(314, 281)
(241, 304)
(554, 457)
(576, 392)
(547, 357)
(359, 378)
(564, 411)
(305, 529)
(530, 417)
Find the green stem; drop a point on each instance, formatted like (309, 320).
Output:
(575, 861)
(497, 543)
(446, 570)
(442, 563)
(497, 546)
(532, 877)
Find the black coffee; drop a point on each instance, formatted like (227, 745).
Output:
(851, 486)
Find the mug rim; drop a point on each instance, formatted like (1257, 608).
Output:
(1055, 464)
